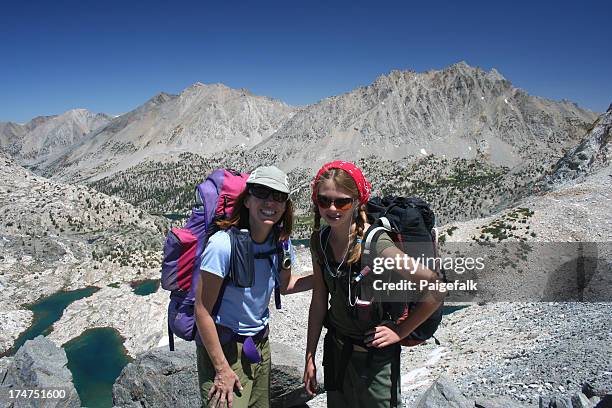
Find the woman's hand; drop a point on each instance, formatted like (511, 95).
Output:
(310, 377)
(382, 336)
(223, 386)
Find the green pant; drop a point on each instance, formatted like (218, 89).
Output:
(255, 378)
(371, 380)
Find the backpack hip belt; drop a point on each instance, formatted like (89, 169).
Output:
(249, 347)
(226, 335)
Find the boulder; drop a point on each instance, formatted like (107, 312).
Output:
(40, 365)
(579, 400)
(443, 393)
(161, 378)
(590, 391)
(287, 377)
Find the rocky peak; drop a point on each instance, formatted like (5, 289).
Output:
(460, 111)
(201, 119)
(46, 135)
(215, 93)
(460, 67)
(158, 99)
(494, 75)
(39, 120)
(591, 154)
(10, 137)
(195, 85)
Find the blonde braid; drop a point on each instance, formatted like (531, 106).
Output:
(317, 219)
(357, 232)
(315, 237)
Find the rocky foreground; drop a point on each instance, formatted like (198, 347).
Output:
(517, 351)
(475, 367)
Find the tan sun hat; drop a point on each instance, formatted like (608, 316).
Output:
(270, 176)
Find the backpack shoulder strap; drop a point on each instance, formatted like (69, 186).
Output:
(267, 254)
(278, 251)
(217, 305)
(371, 236)
(242, 261)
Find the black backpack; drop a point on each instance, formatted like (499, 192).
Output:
(411, 224)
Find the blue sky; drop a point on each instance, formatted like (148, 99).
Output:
(112, 56)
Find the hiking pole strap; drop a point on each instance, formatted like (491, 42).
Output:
(277, 297)
(395, 376)
(170, 338)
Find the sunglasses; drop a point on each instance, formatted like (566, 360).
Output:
(263, 193)
(341, 204)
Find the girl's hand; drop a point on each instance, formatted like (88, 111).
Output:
(310, 377)
(223, 387)
(382, 336)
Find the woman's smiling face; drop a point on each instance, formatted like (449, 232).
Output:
(333, 215)
(264, 212)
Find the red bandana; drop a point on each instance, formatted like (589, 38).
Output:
(362, 184)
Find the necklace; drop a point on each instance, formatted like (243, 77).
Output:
(329, 269)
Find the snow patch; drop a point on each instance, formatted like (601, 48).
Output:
(415, 379)
(423, 152)
(436, 355)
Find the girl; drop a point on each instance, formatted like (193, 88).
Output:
(361, 357)
(232, 304)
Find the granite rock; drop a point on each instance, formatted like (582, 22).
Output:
(39, 364)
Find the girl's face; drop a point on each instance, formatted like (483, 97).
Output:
(336, 205)
(264, 212)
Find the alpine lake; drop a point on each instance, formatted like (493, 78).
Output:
(96, 357)
(145, 287)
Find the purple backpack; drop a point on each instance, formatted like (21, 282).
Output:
(215, 199)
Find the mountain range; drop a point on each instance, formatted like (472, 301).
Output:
(460, 111)
(203, 119)
(44, 136)
(463, 138)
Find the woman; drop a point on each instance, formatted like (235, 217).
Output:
(231, 305)
(361, 355)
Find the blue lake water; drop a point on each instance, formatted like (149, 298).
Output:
(96, 359)
(448, 309)
(145, 287)
(46, 312)
(297, 242)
